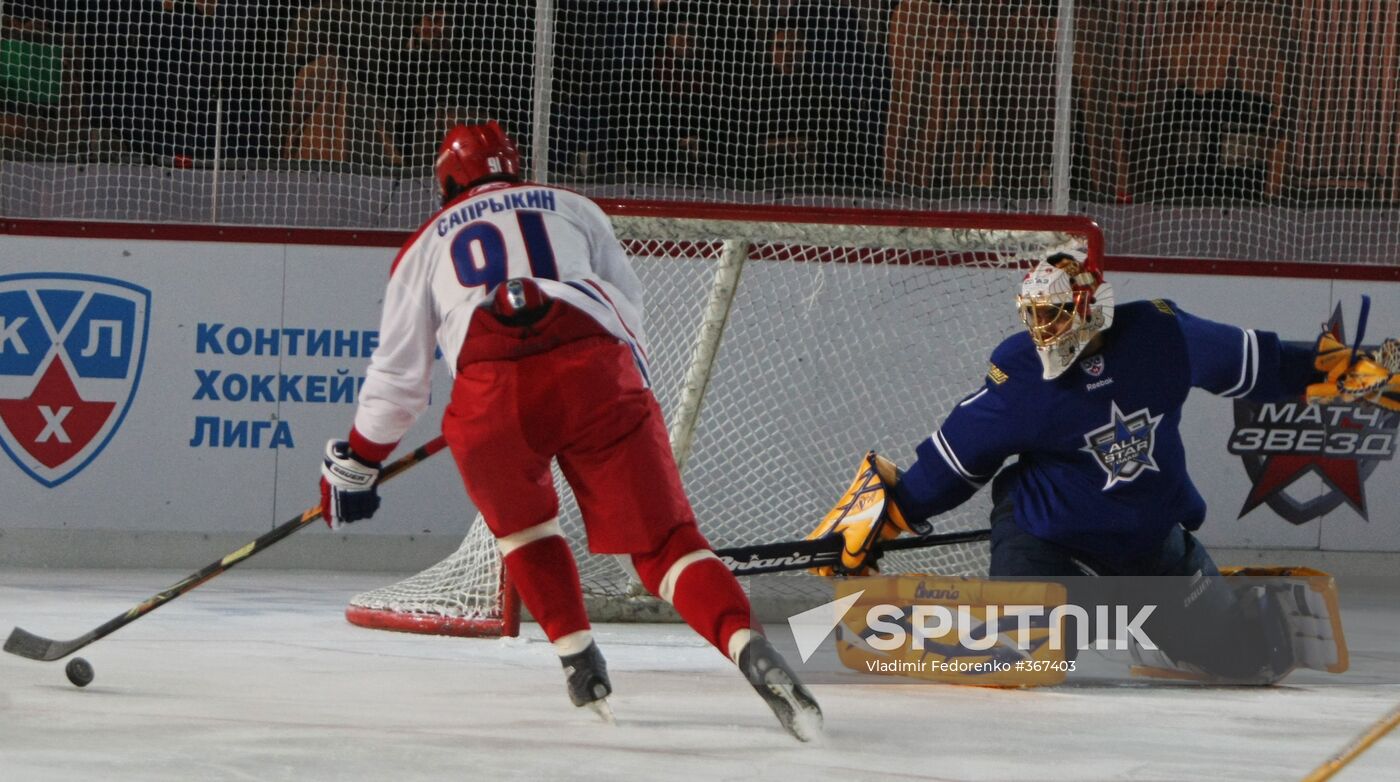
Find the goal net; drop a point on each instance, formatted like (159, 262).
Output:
(784, 343)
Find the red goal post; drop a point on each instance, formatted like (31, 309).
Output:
(783, 343)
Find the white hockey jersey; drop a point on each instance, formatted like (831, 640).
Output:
(498, 231)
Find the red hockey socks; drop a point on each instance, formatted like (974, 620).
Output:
(546, 576)
(685, 573)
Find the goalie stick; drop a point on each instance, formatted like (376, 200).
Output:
(802, 554)
(27, 644)
(1355, 747)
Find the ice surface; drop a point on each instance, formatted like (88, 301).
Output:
(257, 676)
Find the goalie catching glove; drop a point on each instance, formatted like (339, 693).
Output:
(349, 490)
(1371, 375)
(866, 514)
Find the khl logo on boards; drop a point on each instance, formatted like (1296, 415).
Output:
(71, 351)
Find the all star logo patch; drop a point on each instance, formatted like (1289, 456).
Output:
(1093, 365)
(71, 352)
(1123, 446)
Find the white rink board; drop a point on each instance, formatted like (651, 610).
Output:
(150, 478)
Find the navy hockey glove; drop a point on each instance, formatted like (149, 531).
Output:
(348, 485)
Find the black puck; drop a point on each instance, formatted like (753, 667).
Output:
(79, 671)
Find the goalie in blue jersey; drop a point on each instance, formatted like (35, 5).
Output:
(1088, 400)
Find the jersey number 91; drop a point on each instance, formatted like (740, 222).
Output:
(479, 252)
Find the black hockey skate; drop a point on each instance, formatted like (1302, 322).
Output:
(779, 687)
(586, 676)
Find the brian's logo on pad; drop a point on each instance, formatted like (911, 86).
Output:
(71, 351)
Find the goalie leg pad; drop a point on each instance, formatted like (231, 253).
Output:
(1296, 611)
(1306, 600)
(990, 650)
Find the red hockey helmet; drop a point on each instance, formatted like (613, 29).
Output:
(470, 153)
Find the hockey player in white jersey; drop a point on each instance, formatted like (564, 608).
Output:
(529, 295)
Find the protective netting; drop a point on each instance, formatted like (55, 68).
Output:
(1245, 129)
(838, 339)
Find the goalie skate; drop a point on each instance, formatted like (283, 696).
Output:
(779, 687)
(586, 677)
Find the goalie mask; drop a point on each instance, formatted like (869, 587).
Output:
(1064, 302)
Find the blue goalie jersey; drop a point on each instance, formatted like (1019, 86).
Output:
(1101, 467)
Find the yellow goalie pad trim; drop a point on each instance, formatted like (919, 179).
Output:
(945, 654)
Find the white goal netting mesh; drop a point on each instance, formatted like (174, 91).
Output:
(839, 338)
(1251, 129)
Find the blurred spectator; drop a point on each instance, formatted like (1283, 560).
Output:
(930, 138)
(147, 73)
(585, 64)
(787, 105)
(631, 48)
(333, 115)
(255, 77)
(183, 56)
(316, 129)
(1016, 72)
(1222, 75)
(430, 85)
(36, 87)
(677, 122)
(1105, 80)
(845, 87)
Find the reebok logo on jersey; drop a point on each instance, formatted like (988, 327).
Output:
(1123, 446)
(71, 351)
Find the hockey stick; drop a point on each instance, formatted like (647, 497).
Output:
(1355, 747)
(27, 644)
(1360, 326)
(802, 554)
